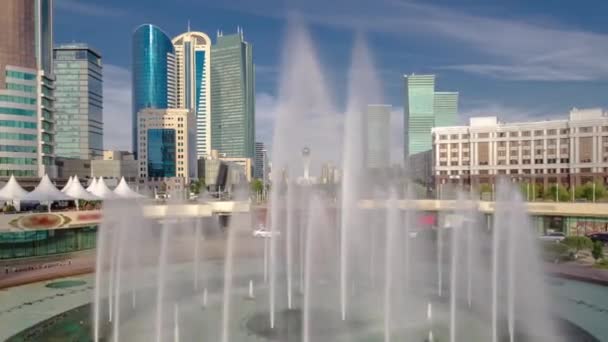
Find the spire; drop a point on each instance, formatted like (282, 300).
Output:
(188, 25)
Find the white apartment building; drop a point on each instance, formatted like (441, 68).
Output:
(167, 143)
(572, 151)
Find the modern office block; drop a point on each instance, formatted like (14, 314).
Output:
(424, 108)
(192, 78)
(167, 143)
(260, 161)
(79, 101)
(378, 136)
(27, 121)
(232, 97)
(153, 73)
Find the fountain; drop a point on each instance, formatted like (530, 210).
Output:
(331, 269)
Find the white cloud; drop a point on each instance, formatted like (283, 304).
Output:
(117, 107)
(88, 8)
(499, 48)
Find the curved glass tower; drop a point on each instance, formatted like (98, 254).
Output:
(153, 73)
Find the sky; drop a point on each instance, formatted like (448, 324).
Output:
(518, 60)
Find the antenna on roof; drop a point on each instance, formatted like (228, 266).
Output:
(188, 25)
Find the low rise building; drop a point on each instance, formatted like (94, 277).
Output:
(167, 143)
(571, 151)
(67, 167)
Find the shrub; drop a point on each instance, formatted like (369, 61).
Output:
(578, 243)
(597, 251)
(555, 251)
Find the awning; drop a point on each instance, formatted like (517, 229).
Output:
(124, 191)
(76, 190)
(67, 184)
(102, 190)
(12, 191)
(46, 192)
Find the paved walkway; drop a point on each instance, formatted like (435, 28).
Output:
(572, 270)
(23, 306)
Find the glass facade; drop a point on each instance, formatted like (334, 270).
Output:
(25, 244)
(232, 97)
(153, 56)
(79, 102)
(377, 139)
(19, 124)
(424, 108)
(161, 152)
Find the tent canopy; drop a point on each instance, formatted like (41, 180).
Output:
(45, 191)
(92, 185)
(123, 190)
(67, 184)
(102, 190)
(76, 190)
(12, 190)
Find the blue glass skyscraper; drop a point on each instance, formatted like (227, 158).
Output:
(153, 72)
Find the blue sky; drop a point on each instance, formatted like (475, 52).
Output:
(520, 60)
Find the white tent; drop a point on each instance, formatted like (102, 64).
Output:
(12, 190)
(77, 191)
(102, 190)
(92, 185)
(46, 192)
(123, 190)
(67, 184)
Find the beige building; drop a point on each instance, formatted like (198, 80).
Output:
(572, 151)
(115, 165)
(167, 143)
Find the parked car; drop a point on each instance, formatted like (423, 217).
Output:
(601, 237)
(553, 237)
(263, 232)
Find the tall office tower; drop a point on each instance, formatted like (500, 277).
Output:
(232, 97)
(424, 109)
(192, 74)
(446, 108)
(26, 89)
(259, 166)
(153, 78)
(79, 101)
(378, 137)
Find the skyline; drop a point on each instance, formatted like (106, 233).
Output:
(519, 77)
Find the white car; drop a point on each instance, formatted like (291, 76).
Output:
(553, 237)
(263, 232)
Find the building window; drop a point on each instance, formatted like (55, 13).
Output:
(443, 163)
(513, 134)
(502, 134)
(564, 160)
(454, 136)
(526, 171)
(483, 172)
(538, 133)
(502, 172)
(551, 160)
(585, 170)
(525, 133)
(514, 172)
(513, 162)
(465, 136)
(443, 137)
(551, 132)
(454, 145)
(585, 129)
(483, 135)
(538, 161)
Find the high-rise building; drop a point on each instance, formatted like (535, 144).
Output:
(79, 101)
(153, 71)
(232, 97)
(378, 137)
(259, 169)
(26, 89)
(446, 108)
(167, 143)
(192, 75)
(424, 108)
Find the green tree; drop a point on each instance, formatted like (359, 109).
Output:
(597, 251)
(563, 194)
(257, 186)
(586, 191)
(197, 185)
(578, 243)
